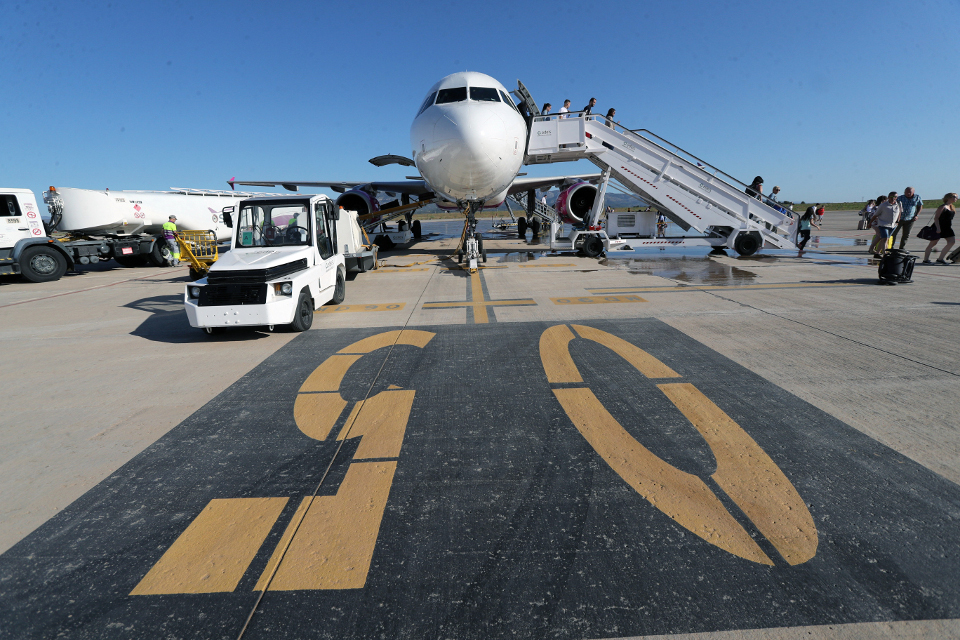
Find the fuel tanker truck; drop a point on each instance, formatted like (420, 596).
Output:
(87, 226)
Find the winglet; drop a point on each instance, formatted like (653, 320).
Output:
(230, 182)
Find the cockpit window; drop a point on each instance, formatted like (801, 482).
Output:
(510, 102)
(483, 94)
(427, 103)
(457, 94)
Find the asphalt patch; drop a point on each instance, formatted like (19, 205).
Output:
(502, 519)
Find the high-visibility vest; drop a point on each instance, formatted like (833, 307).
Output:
(169, 228)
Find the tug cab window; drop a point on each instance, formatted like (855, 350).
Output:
(427, 103)
(325, 239)
(483, 94)
(456, 94)
(273, 224)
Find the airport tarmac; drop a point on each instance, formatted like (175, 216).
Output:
(656, 443)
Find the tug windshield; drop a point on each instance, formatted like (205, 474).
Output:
(273, 224)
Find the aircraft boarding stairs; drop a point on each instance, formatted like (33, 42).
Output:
(698, 197)
(542, 212)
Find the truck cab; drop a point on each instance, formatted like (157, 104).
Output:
(283, 263)
(24, 245)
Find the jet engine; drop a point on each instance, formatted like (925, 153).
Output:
(575, 202)
(358, 200)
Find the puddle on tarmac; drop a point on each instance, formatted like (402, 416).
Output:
(832, 241)
(691, 265)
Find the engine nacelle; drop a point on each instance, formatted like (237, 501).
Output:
(358, 200)
(575, 202)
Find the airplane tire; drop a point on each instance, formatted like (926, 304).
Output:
(522, 227)
(340, 290)
(415, 228)
(592, 246)
(42, 264)
(303, 317)
(535, 227)
(747, 244)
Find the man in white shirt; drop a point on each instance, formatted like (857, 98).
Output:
(565, 108)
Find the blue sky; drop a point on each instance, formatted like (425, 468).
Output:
(830, 100)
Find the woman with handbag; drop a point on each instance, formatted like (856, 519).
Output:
(943, 225)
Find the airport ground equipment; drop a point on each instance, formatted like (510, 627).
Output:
(285, 261)
(29, 247)
(199, 249)
(359, 254)
(690, 192)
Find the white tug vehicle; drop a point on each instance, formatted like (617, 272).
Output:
(283, 263)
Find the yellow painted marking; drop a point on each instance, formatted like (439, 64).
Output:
(680, 495)
(213, 553)
(479, 311)
(411, 337)
(748, 475)
(284, 540)
(393, 386)
(329, 375)
(788, 285)
(598, 299)
(640, 359)
(334, 545)
(350, 420)
(555, 355)
(356, 308)
(317, 413)
(538, 266)
(382, 421)
(489, 303)
(383, 271)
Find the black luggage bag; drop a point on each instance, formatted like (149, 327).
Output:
(896, 266)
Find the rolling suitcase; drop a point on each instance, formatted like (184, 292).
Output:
(896, 266)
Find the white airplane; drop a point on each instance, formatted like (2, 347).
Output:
(468, 142)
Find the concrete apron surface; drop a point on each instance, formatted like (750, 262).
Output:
(646, 444)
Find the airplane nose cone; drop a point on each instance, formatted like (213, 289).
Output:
(471, 145)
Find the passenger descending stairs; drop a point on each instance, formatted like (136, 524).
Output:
(687, 190)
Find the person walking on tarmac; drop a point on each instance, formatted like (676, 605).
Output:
(170, 235)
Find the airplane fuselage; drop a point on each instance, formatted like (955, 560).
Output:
(468, 139)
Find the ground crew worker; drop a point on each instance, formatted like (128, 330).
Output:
(170, 235)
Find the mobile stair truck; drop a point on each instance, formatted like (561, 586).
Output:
(690, 192)
(284, 262)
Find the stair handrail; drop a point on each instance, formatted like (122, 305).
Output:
(672, 148)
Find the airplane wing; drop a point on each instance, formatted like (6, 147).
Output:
(526, 184)
(411, 187)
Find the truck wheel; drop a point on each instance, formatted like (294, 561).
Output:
(340, 290)
(415, 228)
(303, 317)
(747, 244)
(131, 261)
(522, 227)
(196, 274)
(42, 264)
(160, 253)
(592, 246)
